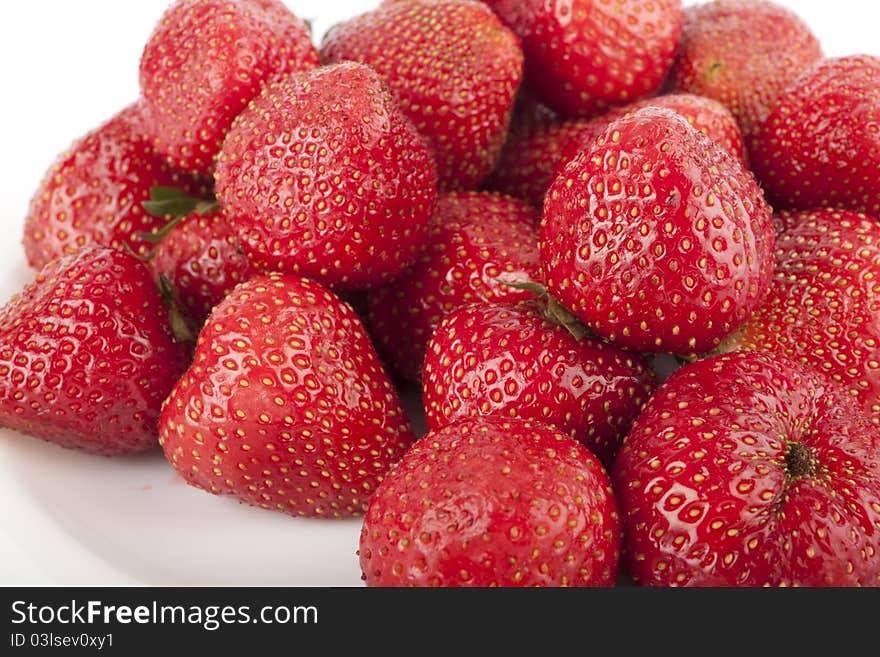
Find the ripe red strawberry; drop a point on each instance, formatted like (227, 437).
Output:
(704, 114)
(744, 470)
(86, 355)
(535, 153)
(820, 146)
(743, 53)
(202, 260)
(286, 405)
(823, 307)
(493, 502)
(656, 237)
(323, 176)
(586, 56)
(480, 242)
(204, 62)
(92, 194)
(454, 69)
(505, 361)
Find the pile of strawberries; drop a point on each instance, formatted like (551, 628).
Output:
(524, 208)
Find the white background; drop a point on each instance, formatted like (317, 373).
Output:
(66, 518)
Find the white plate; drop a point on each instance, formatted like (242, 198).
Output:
(69, 518)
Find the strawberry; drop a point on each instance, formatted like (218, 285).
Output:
(322, 175)
(201, 259)
(585, 56)
(744, 470)
(704, 114)
(86, 355)
(820, 146)
(506, 361)
(204, 62)
(286, 406)
(823, 307)
(92, 194)
(742, 53)
(493, 502)
(480, 243)
(535, 153)
(657, 238)
(454, 70)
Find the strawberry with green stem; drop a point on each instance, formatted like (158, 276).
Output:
(480, 242)
(742, 53)
(657, 238)
(286, 405)
(196, 259)
(93, 194)
(534, 361)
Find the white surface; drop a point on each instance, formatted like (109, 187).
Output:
(68, 518)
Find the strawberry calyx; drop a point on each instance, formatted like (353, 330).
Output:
(177, 318)
(552, 310)
(174, 203)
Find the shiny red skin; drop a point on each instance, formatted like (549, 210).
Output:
(86, 355)
(203, 63)
(711, 492)
(742, 53)
(823, 306)
(510, 361)
(585, 56)
(704, 114)
(536, 152)
(479, 242)
(92, 194)
(286, 405)
(202, 260)
(657, 238)
(323, 176)
(820, 146)
(524, 505)
(454, 69)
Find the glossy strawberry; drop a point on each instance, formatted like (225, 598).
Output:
(586, 56)
(704, 114)
(820, 146)
(742, 53)
(748, 471)
(454, 70)
(86, 355)
(92, 194)
(480, 242)
(823, 307)
(323, 176)
(493, 502)
(656, 237)
(202, 260)
(204, 62)
(515, 361)
(286, 405)
(536, 152)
